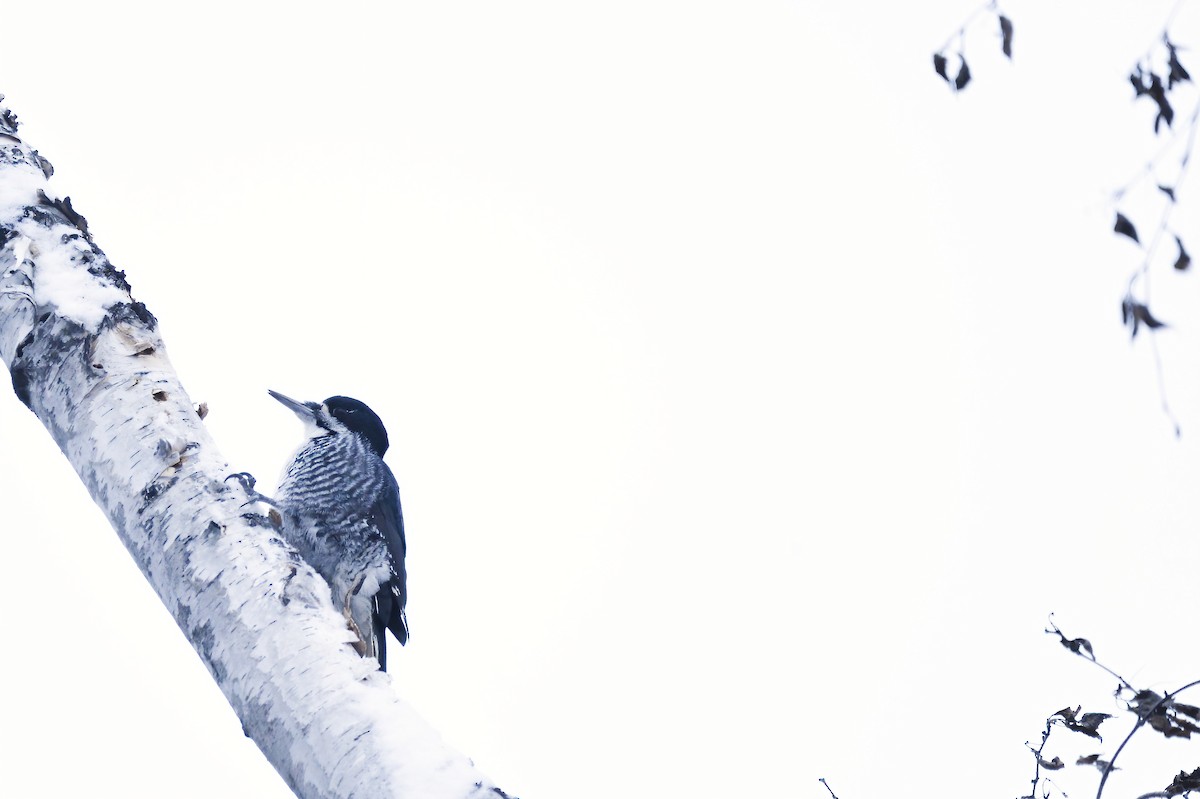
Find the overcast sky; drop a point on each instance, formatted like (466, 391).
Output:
(753, 398)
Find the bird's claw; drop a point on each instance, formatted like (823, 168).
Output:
(247, 482)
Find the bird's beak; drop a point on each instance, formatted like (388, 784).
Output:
(307, 411)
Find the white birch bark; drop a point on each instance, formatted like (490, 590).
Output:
(88, 361)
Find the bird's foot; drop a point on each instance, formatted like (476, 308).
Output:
(361, 646)
(247, 482)
(358, 645)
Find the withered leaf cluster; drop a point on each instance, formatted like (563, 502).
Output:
(1148, 83)
(1088, 723)
(1080, 646)
(1184, 782)
(962, 76)
(1096, 760)
(1165, 715)
(1134, 314)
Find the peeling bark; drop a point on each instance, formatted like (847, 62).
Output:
(87, 359)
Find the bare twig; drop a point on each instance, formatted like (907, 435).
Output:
(1083, 648)
(961, 33)
(1037, 757)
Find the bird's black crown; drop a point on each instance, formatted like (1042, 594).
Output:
(359, 418)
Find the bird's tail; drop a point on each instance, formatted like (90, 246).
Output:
(398, 624)
(388, 615)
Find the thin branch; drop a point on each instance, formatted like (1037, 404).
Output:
(1140, 277)
(961, 33)
(1142, 717)
(1185, 161)
(1161, 379)
(1165, 30)
(1037, 757)
(1083, 648)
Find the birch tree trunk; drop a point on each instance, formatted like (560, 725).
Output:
(87, 359)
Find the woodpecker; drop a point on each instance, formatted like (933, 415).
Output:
(341, 511)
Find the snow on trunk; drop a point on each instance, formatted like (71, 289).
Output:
(88, 361)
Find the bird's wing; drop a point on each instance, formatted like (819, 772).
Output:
(389, 520)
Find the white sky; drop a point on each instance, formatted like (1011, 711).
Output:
(753, 399)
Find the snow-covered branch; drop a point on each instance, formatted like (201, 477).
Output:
(88, 361)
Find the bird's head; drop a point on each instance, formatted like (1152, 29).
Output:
(338, 414)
